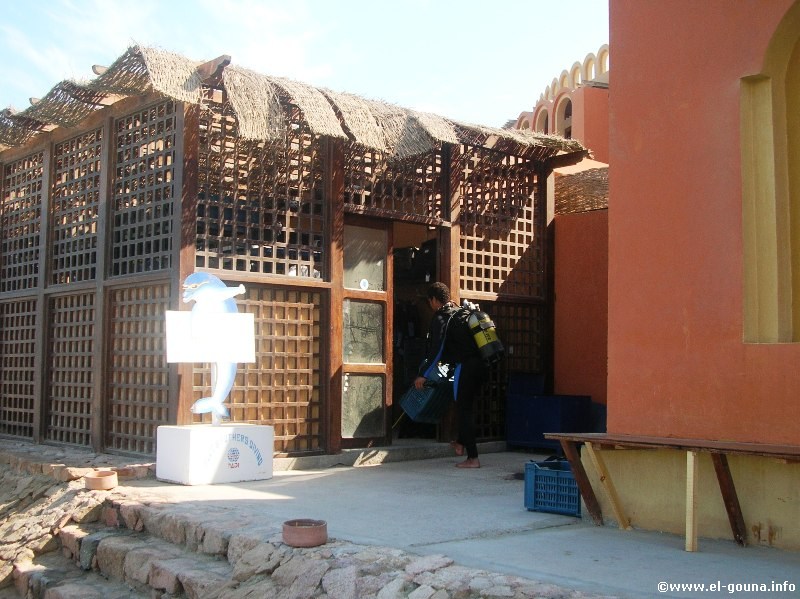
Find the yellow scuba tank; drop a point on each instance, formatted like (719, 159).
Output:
(485, 334)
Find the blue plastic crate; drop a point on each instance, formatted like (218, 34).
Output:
(429, 404)
(550, 487)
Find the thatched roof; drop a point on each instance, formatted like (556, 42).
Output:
(260, 103)
(580, 189)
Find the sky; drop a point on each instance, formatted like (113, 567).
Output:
(476, 61)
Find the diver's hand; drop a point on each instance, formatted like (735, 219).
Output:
(419, 382)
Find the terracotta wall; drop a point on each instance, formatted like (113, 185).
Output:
(677, 363)
(581, 304)
(590, 120)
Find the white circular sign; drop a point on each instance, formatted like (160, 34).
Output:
(364, 284)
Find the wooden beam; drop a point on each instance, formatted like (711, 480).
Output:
(584, 486)
(730, 498)
(605, 479)
(184, 222)
(333, 151)
(210, 71)
(691, 501)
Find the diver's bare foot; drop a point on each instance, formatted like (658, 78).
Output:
(457, 447)
(469, 463)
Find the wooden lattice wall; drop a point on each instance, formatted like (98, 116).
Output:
(70, 369)
(260, 206)
(17, 363)
(52, 272)
(138, 377)
(143, 197)
(94, 298)
(500, 223)
(21, 223)
(261, 211)
(75, 207)
(283, 386)
(411, 189)
(501, 256)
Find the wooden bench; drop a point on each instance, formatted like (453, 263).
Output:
(719, 451)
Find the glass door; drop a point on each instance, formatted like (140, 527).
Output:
(365, 346)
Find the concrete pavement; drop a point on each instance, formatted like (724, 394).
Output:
(478, 518)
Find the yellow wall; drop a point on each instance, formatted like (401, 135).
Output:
(651, 485)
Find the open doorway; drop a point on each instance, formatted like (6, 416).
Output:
(416, 265)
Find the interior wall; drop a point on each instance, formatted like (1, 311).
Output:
(678, 365)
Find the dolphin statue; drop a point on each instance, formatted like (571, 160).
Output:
(211, 296)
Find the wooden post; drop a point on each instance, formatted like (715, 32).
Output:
(184, 233)
(101, 371)
(582, 480)
(334, 193)
(605, 478)
(691, 501)
(41, 376)
(730, 497)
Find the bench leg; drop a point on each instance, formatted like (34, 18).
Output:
(730, 497)
(584, 486)
(605, 478)
(691, 501)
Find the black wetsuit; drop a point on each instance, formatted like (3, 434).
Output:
(470, 370)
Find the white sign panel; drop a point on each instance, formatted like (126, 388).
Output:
(210, 337)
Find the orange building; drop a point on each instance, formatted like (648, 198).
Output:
(703, 261)
(575, 105)
(703, 253)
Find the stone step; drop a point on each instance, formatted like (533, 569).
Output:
(96, 561)
(54, 576)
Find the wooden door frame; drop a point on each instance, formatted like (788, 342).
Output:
(386, 369)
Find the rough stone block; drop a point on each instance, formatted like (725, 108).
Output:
(138, 562)
(111, 554)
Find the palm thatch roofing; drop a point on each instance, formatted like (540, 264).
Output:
(581, 188)
(261, 104)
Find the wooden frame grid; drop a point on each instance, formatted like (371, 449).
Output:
(75, 204)
(138, 379)
(142, 204)
(70, 369)
(520, 326)
(17, 367)
(410, 189)
(260, 205)
(21, 222)
(502, 240)
(283, 388)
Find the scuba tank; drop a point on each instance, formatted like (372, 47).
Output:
(484, 333)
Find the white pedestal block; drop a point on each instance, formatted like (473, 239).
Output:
(203, 454)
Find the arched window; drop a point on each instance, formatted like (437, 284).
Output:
(542, 125)
(770, 133)
(564, 118)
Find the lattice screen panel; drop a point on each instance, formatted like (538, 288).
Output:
(260, 206)
(17, 355)
(412, 187)
(144, 172)
(501, 226)
(137, 393)
(76, 196)
(520, 328)
(70, 371)
(282, 388)
(21, 222)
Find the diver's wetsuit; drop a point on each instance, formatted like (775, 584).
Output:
(470, 371)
